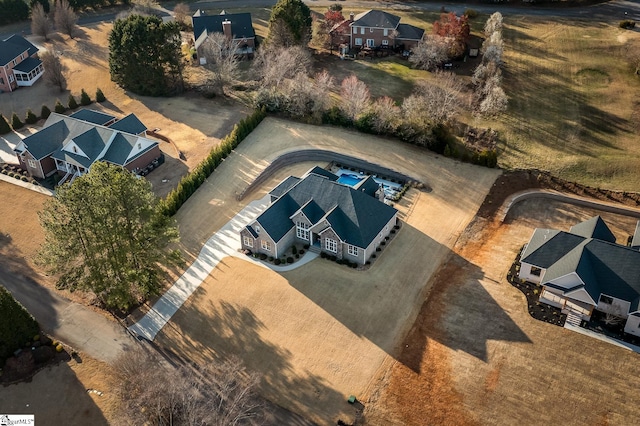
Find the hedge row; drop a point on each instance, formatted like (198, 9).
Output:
(17, 326)
(31, 118)
(192, 181)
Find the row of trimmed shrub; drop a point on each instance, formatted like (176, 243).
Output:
(31, 118)
(193, 180)
(17, 326)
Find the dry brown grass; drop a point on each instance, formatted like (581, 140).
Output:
(321, 332)
(499, 365)
(58, 394)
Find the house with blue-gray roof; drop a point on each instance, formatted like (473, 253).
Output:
(19, 63)
(69, 145)
(585, 270)
(236, 27)
(331, 217)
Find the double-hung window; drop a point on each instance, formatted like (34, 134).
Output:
(302, 231)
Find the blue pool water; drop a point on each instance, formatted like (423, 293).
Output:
(350, 180)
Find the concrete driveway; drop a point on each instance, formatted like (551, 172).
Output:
(69, 322)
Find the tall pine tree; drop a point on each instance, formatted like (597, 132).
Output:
(145, 55)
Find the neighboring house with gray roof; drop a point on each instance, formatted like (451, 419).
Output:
(585, 270)
(19, 65)
(331, 217)
(377, 29)
(237, 27)
(70, 145)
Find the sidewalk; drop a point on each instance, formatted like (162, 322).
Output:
(225, 242)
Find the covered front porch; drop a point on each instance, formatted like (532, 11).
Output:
(28, 71)
(70, 171)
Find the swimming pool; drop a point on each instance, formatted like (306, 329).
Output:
(347, 177)
(350, 180)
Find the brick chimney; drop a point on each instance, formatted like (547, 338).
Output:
(226, 29)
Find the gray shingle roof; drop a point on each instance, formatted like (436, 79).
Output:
(603, 266)
(129, 124)
(28, 65)
(241, 25)
(556, 245)
(92, 116)
(22, 42)
(120, 149)
(357, 218)
(376, 19)
(635, 242)
(47, 140)
(322, 172)
(409, 32)
(594, 228)
(14, 46)
(92, 139)
(369, 186)
(284, 186)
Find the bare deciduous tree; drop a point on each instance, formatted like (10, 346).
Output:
(275, 64)
(493, 24)
(219, 52)
(494, 102)
(430, 52)
(441, 98)
(65, 18)
(355, 97)
(152, 392)
(182, 13)
(40, 24)
(387, 115)
(54, 70)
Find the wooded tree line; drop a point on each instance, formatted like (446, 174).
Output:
(19, 10)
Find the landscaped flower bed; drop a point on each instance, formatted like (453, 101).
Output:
(538, 310)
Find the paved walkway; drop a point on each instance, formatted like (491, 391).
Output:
(225, 242)
(602, 337)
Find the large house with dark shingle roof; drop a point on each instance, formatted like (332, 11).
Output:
(377, 29)
(19, 65)
(237, 27)
(340, 220)
(584, 269)
(70, 145)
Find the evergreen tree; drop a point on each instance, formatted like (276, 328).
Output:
(145, 55)
(4, 126)
(100, 96)
(105, 233)
(289, 24)
(13, 11)
(72, 102)
(84, 98)
(15, 122)
(59, 108)
(30, 118)
(45, 112)
(17, 326)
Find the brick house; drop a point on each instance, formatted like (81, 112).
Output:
(237, 27)
(376, 29)
(584, 270)
(331, 217)
(70, 145)
(19, 63)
